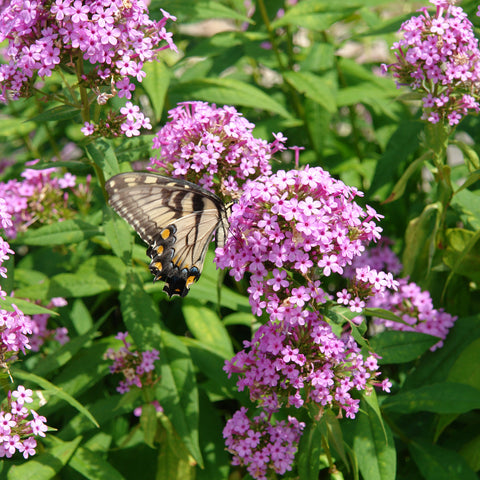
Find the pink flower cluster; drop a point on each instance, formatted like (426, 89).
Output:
(131, 121)
(39, 198)
(297, 365)
(265, 449)
(408, 301)
(16, 432)
(439, 56)
(291, 230)
(202, 141)
(415, 308)
(137, 367)
(40, 331)
(14, 326)
(115, 36)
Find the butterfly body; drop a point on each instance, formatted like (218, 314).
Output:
(176, 218)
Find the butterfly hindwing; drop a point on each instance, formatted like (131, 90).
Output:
(176, 218)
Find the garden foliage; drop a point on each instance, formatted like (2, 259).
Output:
(336, 333)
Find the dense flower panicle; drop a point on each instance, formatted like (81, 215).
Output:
(265, 449)
(116, 37)
(290, 231)
(40, 197)
(110, 40)
(408, 301)
(16, 430)
(415, 308)
(14, 326)
(439, 56)
(137, 367)
(293, 366)
(201, 141)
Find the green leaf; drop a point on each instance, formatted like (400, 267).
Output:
(374, 445)
(103, 155)
(463, 253)
(58, 392)
(401, 347)
(207, 327)
(314, 87)
(118, 234)
(66, 352)
(104, 410)
(98, 274)
(60, 113)
(217, 459)
(403, 143)
(45, 465)
(227, 91)
(148, 422)
(61, 233)
(172, 461)
(382, 313)
(156, 85)
(309, 450)
(28, 308)
(202, 10)
(470, 451)
(436, 366)
(92, 466)
(421, 241)
(334, 434)
(177, 392)
(446, 397)
(85, 370)
(471, 179)
(210, 362)
(400, 186)
(437, 463)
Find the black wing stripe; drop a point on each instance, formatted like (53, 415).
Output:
(176, 218)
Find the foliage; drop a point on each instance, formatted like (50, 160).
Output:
(309, 69)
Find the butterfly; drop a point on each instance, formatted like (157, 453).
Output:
(175, 218)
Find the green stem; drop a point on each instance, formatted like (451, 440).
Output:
(85, 109)
(436, 136)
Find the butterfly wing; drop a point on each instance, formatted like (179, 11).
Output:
(176, 218)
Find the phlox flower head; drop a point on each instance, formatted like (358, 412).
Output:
(295, 366)
(415, 308)
(113, 38)
(406, 300)
(290, 232)
(438, 56)
(201, 141)
(20, 424)
(265, 448)
(136, 367)
(41, 197)
(15, 327)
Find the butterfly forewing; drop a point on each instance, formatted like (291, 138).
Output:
(177, 219)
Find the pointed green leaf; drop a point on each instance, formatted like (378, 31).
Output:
(437, 463)
(228, 91)
(47, 464)
(206, 327)
(401, 347)
(60, 233)
(374, 445)
(421, 241)
(446, 397)
(314, 87)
